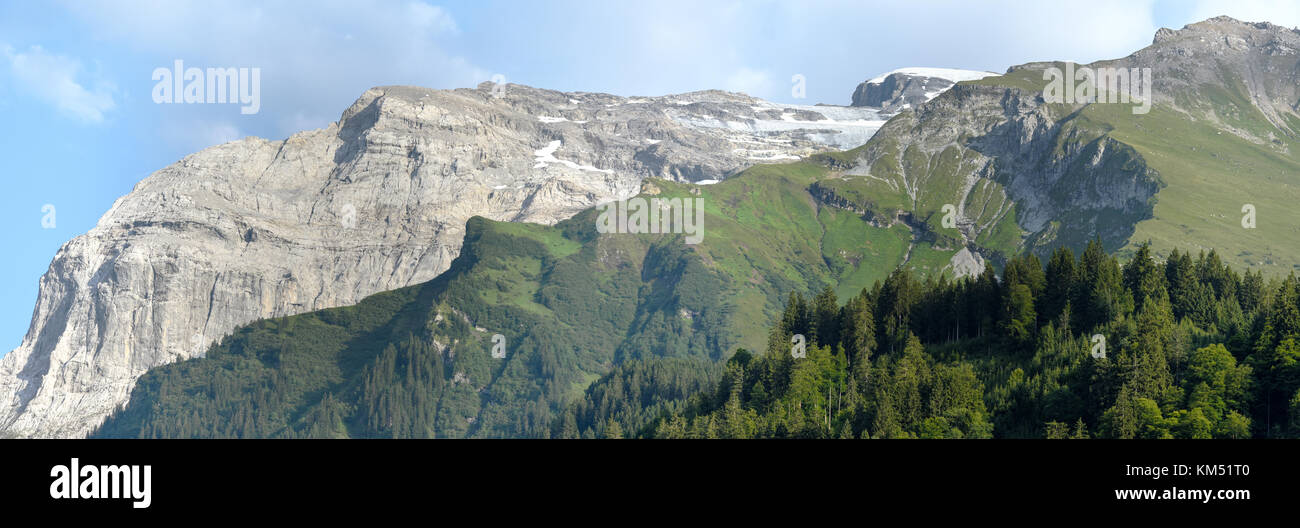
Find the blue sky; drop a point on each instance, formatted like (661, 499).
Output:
(78, 126)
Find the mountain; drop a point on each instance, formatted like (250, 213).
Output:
(1027, 174)
(611, 334)
(376, 201)
(987, 170)
(571, 304)
(906, 88)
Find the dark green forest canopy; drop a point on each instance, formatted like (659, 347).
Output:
(1192, 350)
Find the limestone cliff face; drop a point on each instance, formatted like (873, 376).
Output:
(256, 228)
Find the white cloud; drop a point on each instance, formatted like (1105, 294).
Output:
(1027, 31)
(757, 83)
(219, 133)
(431, 18)
(192, 134)
(1280, 12)
(300, 122)
(314, 59)
(53, 79)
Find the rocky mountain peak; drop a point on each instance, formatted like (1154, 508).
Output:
(906, 88)
(1230, 31)
(1257, 62)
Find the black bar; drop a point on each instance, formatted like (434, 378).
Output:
(312, 476)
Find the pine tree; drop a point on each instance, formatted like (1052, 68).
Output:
(1019, 319)
(1080, 430)
(1059, 282)
(613, 430)
(894, 308)
(826, 318)
(569, 430)
(1143, 278)
(858, 331)
(1100, 297)
(1251, 293)
(1181, 277)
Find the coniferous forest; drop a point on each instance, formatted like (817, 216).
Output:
(1192, 349)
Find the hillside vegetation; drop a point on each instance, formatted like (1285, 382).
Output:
(572, 306)
(1191, 350)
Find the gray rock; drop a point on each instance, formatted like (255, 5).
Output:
(898, 90)
(909, 87)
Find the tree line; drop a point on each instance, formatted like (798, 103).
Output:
(1079, 347)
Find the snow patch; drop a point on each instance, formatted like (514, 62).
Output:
(764, 155)
(950, 74)
(546, 155)
(841, 127)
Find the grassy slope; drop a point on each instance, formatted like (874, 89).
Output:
(1209, 174)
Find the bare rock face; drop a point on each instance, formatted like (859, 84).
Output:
(993, 150)
(1260, 59)
(998, 154)
(377, 201)
(907, 88)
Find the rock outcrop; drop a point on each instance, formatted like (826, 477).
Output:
(906, 88)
